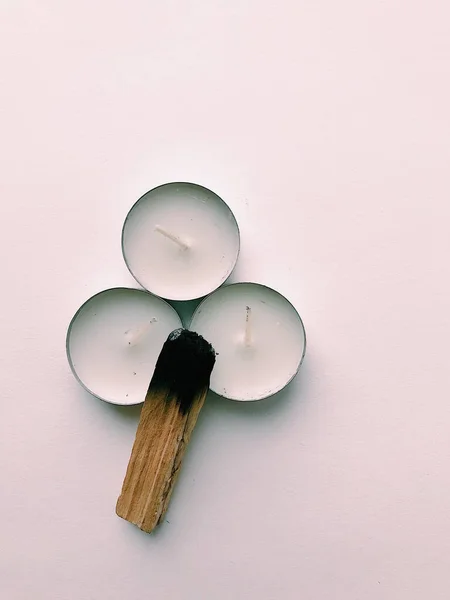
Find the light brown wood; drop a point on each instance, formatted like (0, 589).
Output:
(161, 440)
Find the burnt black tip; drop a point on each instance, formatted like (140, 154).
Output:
(197, 344)
(184, 367)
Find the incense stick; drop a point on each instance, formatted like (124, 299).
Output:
(173, 402)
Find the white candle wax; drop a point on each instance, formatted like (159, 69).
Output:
(114, 340)
(180, 241)
(259, 338)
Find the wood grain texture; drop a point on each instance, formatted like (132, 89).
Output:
(169, 414)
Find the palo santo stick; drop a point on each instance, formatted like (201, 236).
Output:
(175, 396)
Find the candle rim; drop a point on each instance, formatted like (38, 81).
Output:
(174, 183)
(302, 325)
(69, 331)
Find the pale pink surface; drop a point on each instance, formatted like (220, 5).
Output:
(325, 125)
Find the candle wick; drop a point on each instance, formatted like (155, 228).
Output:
(248, 322)
(172, 237)
(134, 335)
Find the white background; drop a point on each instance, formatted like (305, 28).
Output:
(325, 125)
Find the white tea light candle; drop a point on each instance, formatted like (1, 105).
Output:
(180, 241)
(258, 336)
(114, 340)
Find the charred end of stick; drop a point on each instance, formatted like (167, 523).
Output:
(183, 368)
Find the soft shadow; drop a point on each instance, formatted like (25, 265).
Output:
(274, 406)
(141, 537)
(128, 413)
(185, 309)
(131, 413)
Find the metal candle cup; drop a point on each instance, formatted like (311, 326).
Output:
(113, 342)
(180, 241)
(259, 338)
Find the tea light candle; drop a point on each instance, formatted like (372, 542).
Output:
(114, 340)
(180, 241)
(258, 336)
